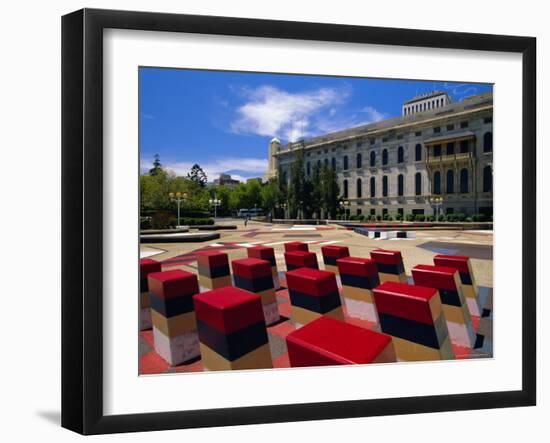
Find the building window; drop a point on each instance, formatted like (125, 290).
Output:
(373, 212)
(308, 168)
(418, 152)
(319, 164)
(400, 137)
(334, 163)
(345, 162)
(385, 186)
(450, 127)
(437, 150)
(437, 130)
(359, 211)
(359, 191)
(450, 181)
(400, 185)
(488, 142)
(418, 133)
(437, 182)
(463, 146)
(488, 120)
(359, 144)
(400, 154)
(372, 141)
(487, 179)
(326, 162)
(359, 160)
(400, 211)
(463, 124)
(449, 211)
(418, 184)
(464, 181)
(450, 148)
(372, 158)
(384, 211)
(372, 186)
(384, 139)
(345, 189)
(385, 157)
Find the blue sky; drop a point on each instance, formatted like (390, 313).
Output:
(225, 120)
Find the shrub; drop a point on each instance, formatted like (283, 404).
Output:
(162, 220)
(145, 223)
(409, 217)
(196, 221)
(361, 217)
(468, 219)
(399, 217)
(430, 218)
(441, 218)
(378, 217)
(461, 217)
(420, 217)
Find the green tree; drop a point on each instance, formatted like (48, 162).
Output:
(316, 191)
(197, 175)
(157, 167)
(297, 187)
(270, 195)
(329, 191)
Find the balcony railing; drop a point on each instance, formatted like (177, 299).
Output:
(449, 158)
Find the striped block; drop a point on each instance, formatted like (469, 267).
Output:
(232, 330)
(300, 259)
(172, 315)
(455, 308)
(328, 342)
(213, 269)
(390, 265)
(296, 246)
(413, 316)
(359, 276)
(313, 293)
(331, 253)
(254, 275)
(146, 267)
(469, 287)
(266, 253)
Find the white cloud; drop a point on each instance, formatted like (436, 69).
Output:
(273, 112)
(239, 168)
(339, 122)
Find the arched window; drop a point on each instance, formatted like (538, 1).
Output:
(372, 186)
(385, 157)
(385, 186)
(418, 184)
(345, 189)
(345, 162)
(450, 181)
(400, 154)
(487, 179)
(464, 181)
(372, 159)
(450, 148)
(418, 152)
(400, 185)
(463, 146)
(359, 191)
(334, 163)
(488, 142)
(359, 160)
(308, 168)
(437, 182)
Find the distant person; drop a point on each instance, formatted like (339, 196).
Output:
(245, 220)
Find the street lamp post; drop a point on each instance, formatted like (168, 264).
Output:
(437, 202)
(178, 197)
(215, 202)
(344, 204)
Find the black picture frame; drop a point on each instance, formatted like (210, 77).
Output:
(82, 232)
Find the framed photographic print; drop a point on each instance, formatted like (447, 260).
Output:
(269, 221)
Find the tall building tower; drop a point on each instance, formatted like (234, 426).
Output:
(426, 102)
(273, 163)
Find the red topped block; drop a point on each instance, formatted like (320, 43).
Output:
(296, 246)
(326, 341)
(228, 309)
(405, 301)
(173, 284)
(251, 268)
(386, 256)
(212, 258)
(335, 251)
(301, 259)
(440, 277)
(311, 281)
(261, 252)
(147, 265)
(459, 262)
(360, 267)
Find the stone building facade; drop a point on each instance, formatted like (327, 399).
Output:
(442, 150)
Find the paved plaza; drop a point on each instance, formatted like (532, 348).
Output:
(478, 245)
